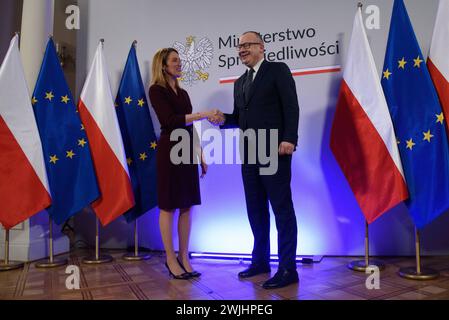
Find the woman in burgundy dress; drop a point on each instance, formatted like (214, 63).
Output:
(177, 184)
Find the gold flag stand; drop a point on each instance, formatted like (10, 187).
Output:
(97, 259)
(136, 256)
(51, 262)
(361, 265)
(6, 265)
(418, 273)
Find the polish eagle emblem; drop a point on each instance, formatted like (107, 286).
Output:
(195, 58)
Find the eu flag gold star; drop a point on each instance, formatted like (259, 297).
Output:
(34, 101)
(81, 142)
(141, 102)
(402, 63)
(427, 136)
(153, 145)
(49, 95)
(70, 154)
(143, 156)
(129, 160)
(82, 126)
(410, 144)
(418, 62)
(440, 117)
(53, 159)
(387, 74)
(128, 100)
(65, 99)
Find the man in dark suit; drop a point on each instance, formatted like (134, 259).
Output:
(265, 98)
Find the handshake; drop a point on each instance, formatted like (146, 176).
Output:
(216, 117)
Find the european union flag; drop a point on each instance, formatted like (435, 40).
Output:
(71, 175)
(418, 121)
(138, 136)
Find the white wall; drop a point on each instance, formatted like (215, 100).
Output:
(329, 219)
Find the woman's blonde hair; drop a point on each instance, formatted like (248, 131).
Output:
(158, 75)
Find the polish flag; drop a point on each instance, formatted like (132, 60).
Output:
(438, 62)
(24, 187)
(97, 111)
(362, 136)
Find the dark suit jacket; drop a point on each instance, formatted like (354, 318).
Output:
(272, 104)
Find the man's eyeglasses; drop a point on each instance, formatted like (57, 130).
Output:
(245, 45)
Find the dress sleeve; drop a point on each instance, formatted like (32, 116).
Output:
(164, 110)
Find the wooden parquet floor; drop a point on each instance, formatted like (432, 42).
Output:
(148, 280)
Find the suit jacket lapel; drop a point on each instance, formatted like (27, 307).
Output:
(238, 85)
(259, 75)
(241, 84)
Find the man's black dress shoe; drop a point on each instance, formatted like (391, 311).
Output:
(254, 270)
(282, 278)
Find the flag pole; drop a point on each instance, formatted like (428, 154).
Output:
(361, 265)
(97, 259)
(418, 273)
(7, 265)
(136, 256)
(51, 262)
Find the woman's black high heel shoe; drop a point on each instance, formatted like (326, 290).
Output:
(183, 276)
(193, 274)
